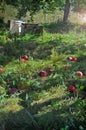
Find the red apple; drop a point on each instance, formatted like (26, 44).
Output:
(1, 69)
(74, 59)
(79, 73)
(22, 60)
(69, 58)
(71, 89)
(25, 57)
(43, 73)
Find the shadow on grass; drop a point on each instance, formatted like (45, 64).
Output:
(46, 116)
(16, 121)
(61, 27)
(65, 114)
(15, 49)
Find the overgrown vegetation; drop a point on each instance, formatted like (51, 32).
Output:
(36, 73)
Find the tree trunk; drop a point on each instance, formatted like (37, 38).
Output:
(66, 11)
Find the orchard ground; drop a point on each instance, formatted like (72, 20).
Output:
(43, 79)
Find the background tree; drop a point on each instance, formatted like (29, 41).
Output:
(66, 11)
(33, 6)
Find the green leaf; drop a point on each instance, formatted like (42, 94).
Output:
(82, 87)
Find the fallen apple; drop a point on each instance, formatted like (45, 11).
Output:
(43, 73)
(74, 59)
(79, 73)
(1, 69)
(71, 89)
(25, 57)
(69, 58)
(22, 60)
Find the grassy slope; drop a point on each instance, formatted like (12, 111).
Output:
(47, 99)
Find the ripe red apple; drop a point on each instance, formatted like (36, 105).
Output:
(1, 69)
(22, 60)
(71, 89)
(25, 57)
(69, 58)
(43, 73)
(79, 73)
(74, 59)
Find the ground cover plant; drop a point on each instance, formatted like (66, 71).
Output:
(43, 81)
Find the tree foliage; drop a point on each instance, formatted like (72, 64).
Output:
(79, 4)
(34, 6)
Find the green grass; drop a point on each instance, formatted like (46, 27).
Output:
(43, 103)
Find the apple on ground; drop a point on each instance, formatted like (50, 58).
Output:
(43, 73)
(25, 57)
(74, 59)
(79, 73)
(2, 70)
(71, 89)
(69, 58)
